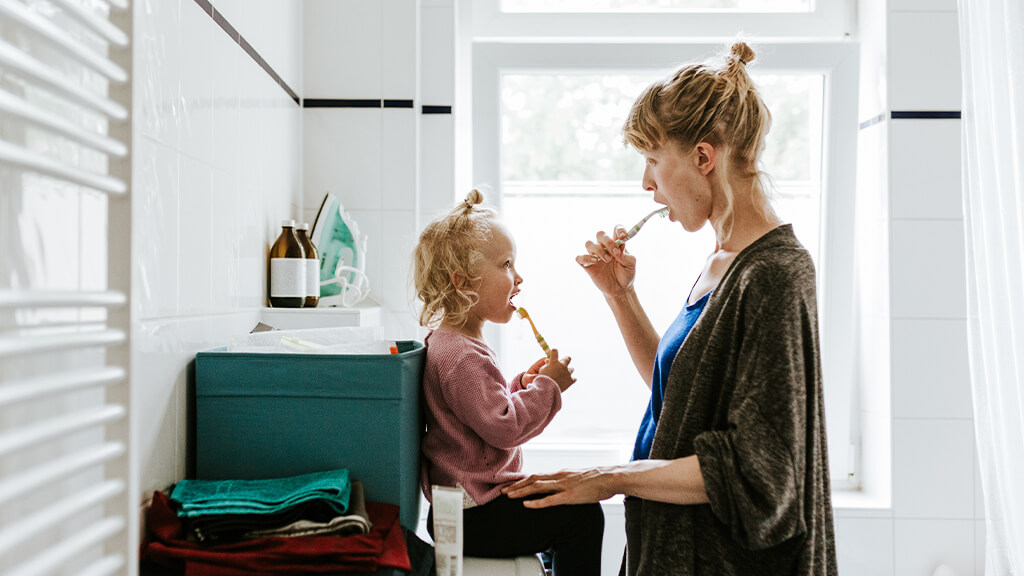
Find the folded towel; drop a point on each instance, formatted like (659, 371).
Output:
(384, 546)
(307, 519)
(205, 497)
(357, 521)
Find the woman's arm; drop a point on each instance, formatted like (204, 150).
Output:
(672, 481)
(612, 270)
(637, 332)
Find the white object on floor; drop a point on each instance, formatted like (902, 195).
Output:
(521, 566)
(944, 570)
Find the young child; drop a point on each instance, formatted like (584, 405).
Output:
(465, 275)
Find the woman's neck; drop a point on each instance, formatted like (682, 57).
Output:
(748, 223)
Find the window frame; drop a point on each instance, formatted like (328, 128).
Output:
(825, 19)
(836, 60)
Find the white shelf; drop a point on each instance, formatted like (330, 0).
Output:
(300, 318)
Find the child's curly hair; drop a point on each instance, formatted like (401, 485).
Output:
(449, 245)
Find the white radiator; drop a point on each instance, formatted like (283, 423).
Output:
(68, 488)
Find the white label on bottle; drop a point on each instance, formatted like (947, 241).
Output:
(287, 277)
(313, 277)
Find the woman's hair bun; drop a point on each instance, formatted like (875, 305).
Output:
(474, 197)
(742, 52)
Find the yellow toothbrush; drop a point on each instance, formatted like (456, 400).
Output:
(540, 339)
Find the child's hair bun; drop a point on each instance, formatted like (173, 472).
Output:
(474, 197)
(742, 53)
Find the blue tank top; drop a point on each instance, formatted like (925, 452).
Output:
(669, 345)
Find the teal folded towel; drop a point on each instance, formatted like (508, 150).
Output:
(206, 497)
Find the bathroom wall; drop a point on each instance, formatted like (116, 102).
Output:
(223, 152)
(377, 129)
(216, 167)
(921, 486)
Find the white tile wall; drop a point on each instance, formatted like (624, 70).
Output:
(197, 36)
(933, 468)
(923, 545)
(216, 166)
(437, 161)
(399, 40)
(343, 50)
(928, 269)
(342, 155)
(398, 176)
(924, 61)
(864, 546)
(929, 369)
(925, 174)
(438, 55)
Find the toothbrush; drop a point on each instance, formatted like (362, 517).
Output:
(636, 227)
(632, 231)
(540, 339)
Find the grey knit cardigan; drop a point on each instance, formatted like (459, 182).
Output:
(744, 394)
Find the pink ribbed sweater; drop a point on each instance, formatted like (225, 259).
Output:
(475, 420)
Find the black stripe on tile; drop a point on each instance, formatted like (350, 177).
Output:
(335, 103)
(398, 103)
(925, 114)
(232, 32)
(872, 121)
(437, 109)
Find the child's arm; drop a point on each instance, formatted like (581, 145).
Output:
(477, 394)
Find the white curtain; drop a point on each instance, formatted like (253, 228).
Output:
(992, 53)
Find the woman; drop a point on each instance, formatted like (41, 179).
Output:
(730, 470)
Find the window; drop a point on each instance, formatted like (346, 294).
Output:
(546, 136)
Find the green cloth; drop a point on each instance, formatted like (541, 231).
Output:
(195, 498)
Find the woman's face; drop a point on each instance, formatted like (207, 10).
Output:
(679, 179)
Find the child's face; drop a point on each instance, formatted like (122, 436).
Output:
(499, 281)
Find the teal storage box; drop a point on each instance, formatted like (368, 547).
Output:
(276, 415)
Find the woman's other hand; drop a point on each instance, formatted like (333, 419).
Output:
(609, 265)
(565, 487)
(559, 370)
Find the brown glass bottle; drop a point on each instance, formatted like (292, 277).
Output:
(312, 266)
(287, 269)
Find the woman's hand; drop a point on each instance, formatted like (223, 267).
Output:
(609, 266)
(565, 487)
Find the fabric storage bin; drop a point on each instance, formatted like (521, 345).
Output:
(276, 415)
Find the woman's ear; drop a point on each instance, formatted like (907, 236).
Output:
(704, 156)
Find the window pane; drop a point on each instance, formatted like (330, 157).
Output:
(654, 5)
(567, 175)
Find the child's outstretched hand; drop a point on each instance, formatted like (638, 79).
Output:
(559, 370)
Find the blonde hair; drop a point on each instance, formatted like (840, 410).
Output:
(714, 102)
(449, 245)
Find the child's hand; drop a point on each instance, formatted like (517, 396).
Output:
(533, 372)
(559, 370)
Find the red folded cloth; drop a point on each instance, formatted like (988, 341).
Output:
(384, 546)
